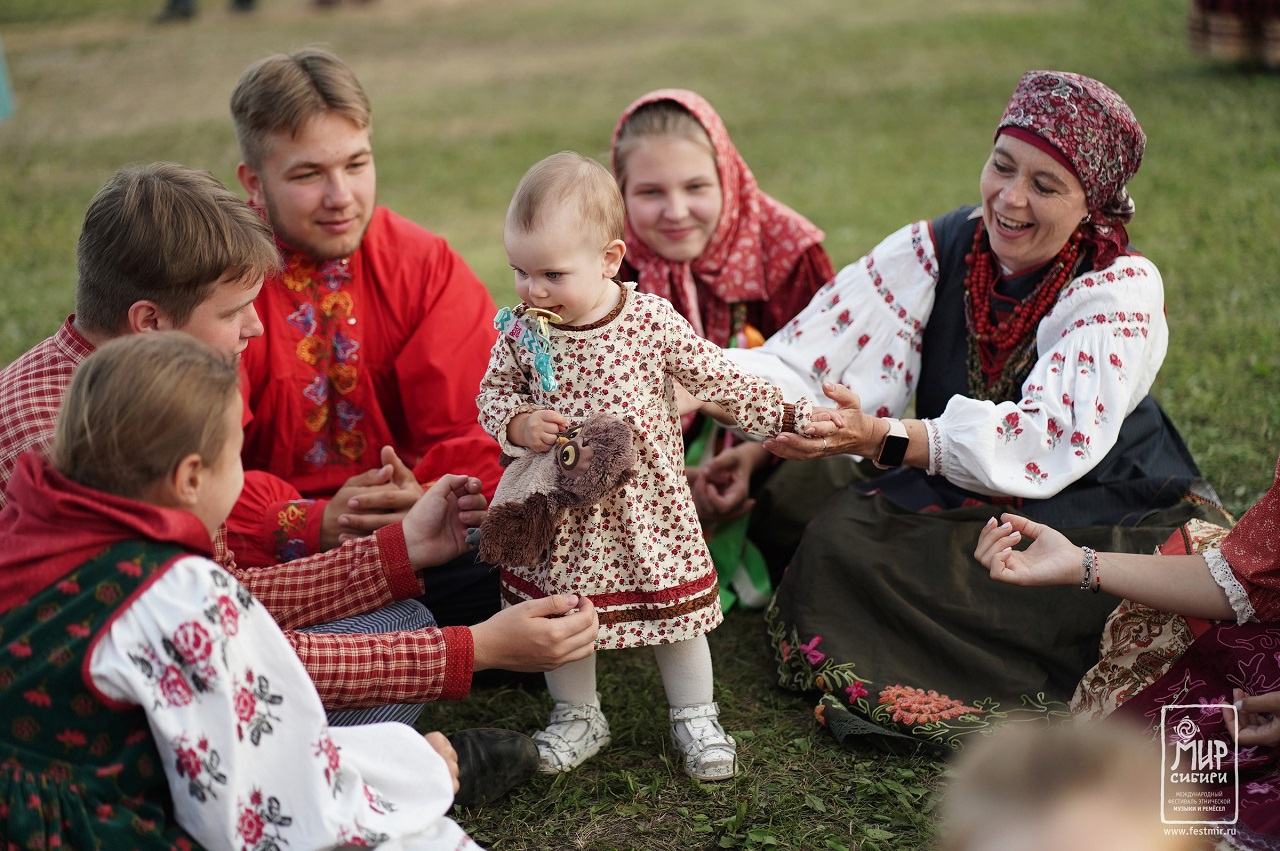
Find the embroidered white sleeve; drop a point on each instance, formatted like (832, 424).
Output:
(1098, 350)
(935, 447)
(241, 732)
(1222, 573)
(862, 329)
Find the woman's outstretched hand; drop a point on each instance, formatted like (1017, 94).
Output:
(835, 431)
(1050, 560)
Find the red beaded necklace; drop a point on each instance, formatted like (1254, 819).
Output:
(1000, 353)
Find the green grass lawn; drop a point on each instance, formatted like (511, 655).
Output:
(861, 114)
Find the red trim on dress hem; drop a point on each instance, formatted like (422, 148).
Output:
(623, 598)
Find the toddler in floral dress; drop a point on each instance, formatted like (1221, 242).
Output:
(582, 344)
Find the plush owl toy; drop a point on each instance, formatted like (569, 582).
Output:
(591, 461)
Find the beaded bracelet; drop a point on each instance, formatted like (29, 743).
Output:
(1092, 576)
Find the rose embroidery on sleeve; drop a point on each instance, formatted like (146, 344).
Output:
(1118, 365)
(253, 702)
(842, 321)
(200, 765)
(1010, 427)
(261, 821)
(1054, 432)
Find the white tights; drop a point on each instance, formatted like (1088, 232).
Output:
(685, 667)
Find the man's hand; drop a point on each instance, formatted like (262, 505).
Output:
(537, 635)
(435, 529)
(369, 501)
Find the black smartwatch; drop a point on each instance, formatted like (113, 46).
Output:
(894, 448)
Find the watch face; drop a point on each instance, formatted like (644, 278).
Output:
(894, 450)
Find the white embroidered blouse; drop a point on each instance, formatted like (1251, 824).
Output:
(248, 753)
(1099, 349)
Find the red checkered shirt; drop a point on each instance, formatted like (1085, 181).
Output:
(350, 671)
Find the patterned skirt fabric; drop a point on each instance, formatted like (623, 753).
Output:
(1226, 657)
(886, 615)
(1139, 643)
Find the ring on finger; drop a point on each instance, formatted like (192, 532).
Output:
(824, 443)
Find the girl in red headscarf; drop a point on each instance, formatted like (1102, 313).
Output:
(735, 262)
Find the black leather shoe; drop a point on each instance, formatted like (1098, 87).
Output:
(491, 762)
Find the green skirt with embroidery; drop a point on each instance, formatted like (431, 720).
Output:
(907, 643)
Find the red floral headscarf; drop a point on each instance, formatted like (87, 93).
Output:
(1091, 130)
(752, 252)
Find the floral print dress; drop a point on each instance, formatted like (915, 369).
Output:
(639, 555)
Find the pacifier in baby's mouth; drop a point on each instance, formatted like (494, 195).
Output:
(543, 318)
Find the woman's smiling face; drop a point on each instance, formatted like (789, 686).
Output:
(1031, 204)
(673, 196)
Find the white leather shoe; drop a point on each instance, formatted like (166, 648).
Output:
(709, 752)
(577, 732)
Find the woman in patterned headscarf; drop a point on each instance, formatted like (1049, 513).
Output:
(1028, 333)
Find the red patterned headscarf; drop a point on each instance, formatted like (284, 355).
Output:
(1091, 130)
(752, 252)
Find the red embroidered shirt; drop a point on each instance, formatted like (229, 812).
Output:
(385, 347)
(350, 671)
